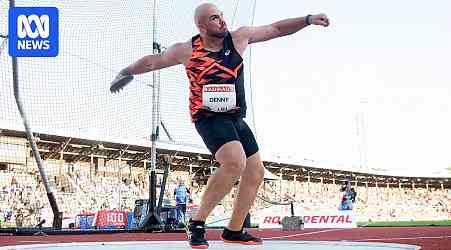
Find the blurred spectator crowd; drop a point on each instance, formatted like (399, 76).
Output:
(23, 200)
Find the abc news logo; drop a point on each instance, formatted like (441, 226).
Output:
(33, 31)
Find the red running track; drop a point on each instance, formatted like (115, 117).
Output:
(429, 238)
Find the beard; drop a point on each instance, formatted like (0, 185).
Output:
(221, 34)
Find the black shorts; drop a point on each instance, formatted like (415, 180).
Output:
(218, 130)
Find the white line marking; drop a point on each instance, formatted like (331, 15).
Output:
(34, 241)
(300, 234)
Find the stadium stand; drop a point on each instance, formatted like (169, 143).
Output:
(87, 178)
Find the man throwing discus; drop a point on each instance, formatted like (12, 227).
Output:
(214, 65)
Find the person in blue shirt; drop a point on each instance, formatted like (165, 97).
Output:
(181, 194)
(348, 195)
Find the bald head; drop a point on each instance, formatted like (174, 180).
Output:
(202, 11)
(209, 21)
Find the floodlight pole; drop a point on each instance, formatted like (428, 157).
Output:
(152, 221)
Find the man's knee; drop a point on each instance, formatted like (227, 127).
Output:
(257, 175)
(234, 166)
(231, 156)
(255, 169)
(260, 175)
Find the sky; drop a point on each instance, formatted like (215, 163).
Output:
(369, 92)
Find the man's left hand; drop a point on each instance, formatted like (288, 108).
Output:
(319, 19)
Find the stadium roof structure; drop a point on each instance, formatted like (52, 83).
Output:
(77, 149)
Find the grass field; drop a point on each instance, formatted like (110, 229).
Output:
(396, 223)
(404, 223)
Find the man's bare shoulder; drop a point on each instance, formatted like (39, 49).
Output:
(241, 33)
(240, 38)
(182, 45)
(182, 50)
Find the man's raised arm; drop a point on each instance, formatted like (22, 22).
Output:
(167, 58)
(170, 57)
(281, 28)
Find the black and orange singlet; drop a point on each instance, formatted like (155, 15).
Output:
(216, 81)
